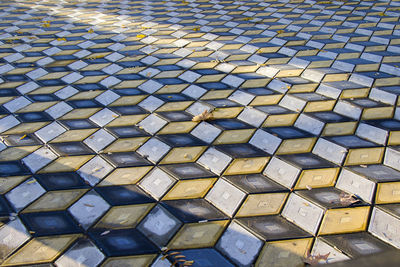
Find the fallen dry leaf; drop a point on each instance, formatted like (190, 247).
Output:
(347, 199)
(205, 115)
(315, 259)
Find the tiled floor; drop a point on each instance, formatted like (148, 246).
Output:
(102, 164)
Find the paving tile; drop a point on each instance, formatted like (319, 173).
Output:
(105, 161)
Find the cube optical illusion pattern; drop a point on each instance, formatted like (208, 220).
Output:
(198, 133)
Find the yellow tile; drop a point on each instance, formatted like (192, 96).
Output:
(226, 113)
(86, 95)
(66, 164)
(319, 106)
(355, 93)
(73, 136)
(25, 128)
(246, 166)
(340, 128)
(125, 176)
(317, 178)
(245, 69)
(174, 106)
(5, 99)
(129, 84)
(41, 250)
(183, 154)
(388, 193)
(347, 220)
(55, 200)
(168, 74)
(80, 113)
(293, 146)
(137, 261)
(7, 183)
(394, 81)
(280, 120)
(303, 88)
(127, 120)
(255, 83)
(204, 65)
(394, 138)
(120, 217)
(266, 100)
(125, 144)
(172, 89)
(364, 156)
(128, 100)
(234, 136)
(336, 77)
(16, 153)
(46, 90)
(289, 73)
(284, 253)
(377, 113)
(178, 127)
(217, 94)
(262, 204)
(198, 235)
(187, 189)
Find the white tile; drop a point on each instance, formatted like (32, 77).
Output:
(110, 81)
(240, 245)
(99, 140)
(38, 159)
(157, 183)
(150, 86)
(225, 197)
(58, 110)
(189, 76)
(152, 124)
(151, 103)
(24, 194)
(82, 253)
(103, 117)
(16, 104)
(153, 150)
(206, 132)
(13, 234)
(107, 97)
(95, 170)
(88, 209)
(8, 122)
(49, 132)
(214, 160)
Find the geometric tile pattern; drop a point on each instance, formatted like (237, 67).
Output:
(101, 162)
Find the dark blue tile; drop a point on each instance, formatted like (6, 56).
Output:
(127, 159)
(128, 110)
(127, 131)
(124, 195)
(12, 168)
(34, 117)
(193, 210)
(180, 140)
(50, 223)
(123, 242)
(61, 181)
(78, 124)
(230, 124)
(205, 257)
(71, 149)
